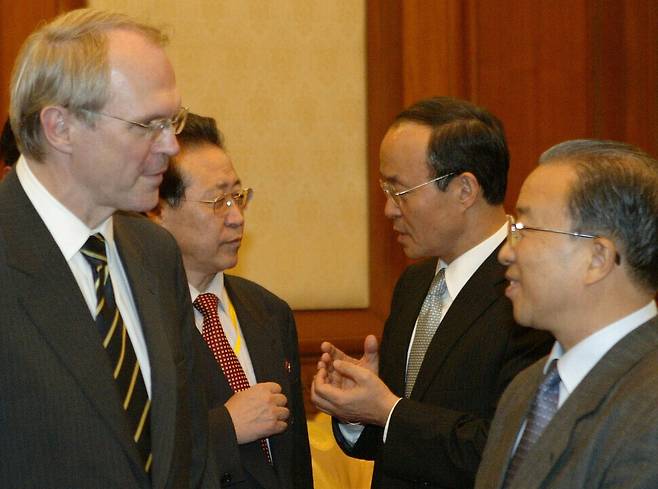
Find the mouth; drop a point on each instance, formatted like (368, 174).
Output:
(234, 242)
(513, 287)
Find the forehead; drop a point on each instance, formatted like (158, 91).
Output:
(206, 166)
(404, 150)
(545, 192)
(141, 75)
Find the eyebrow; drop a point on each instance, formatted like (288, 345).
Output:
(225, 185)
(523, 210)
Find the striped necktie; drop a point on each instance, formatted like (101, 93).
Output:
(116, 341)
(214, 336)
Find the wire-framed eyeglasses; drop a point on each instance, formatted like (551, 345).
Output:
(390, 191)
(154, 128)
(223, 202)
(514, 229)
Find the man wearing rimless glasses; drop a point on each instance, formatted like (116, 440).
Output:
(583, 265)
(98, 374)
(248, 338)
(421, 406)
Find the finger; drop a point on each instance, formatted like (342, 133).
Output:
(370, 344)
(279, 400)
(282, 414)
(349, 369)
(326, 347)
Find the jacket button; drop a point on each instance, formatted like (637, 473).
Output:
(226, 478)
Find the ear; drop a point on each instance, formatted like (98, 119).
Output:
(55, 123)
(468, 189)
(603, 261)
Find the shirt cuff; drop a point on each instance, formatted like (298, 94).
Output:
(388, 421)
(351, 432)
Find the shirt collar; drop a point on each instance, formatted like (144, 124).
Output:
(216, 286)
(460, 270)
(69, 232)
(576, 363)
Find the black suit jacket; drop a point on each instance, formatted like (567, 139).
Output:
(271, 336)
(61, 422)
(437, 436)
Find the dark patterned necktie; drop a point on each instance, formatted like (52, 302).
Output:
(542, 410)
(116, 341)
(426, 325)
(213, 335)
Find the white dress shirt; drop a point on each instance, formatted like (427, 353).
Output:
(230, 325)
(574, 364)
(70, 234)
(457, 274)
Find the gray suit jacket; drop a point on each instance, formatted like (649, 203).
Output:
(436, 437)
(269, 330)
(605, 435)
(61, 422)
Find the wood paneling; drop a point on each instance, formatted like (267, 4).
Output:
(17, 21)
(551, 70)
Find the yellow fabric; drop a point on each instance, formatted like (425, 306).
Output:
(234, 321)
(332, 469)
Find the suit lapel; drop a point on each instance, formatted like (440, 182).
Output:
(590, 394)
(144, 287)
(263, 345)
(54, 303)
(472, 301)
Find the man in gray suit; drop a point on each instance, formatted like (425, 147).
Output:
(98, 378)
(582, 264)
(258, 429)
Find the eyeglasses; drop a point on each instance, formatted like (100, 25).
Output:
(514, 231)
(389, 190)
(155, 127)
(223, 202)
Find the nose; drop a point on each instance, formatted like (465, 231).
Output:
(506, 255)
(166, 142)
(391, 209)
(234, 216)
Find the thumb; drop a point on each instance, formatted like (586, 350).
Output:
(370, 344)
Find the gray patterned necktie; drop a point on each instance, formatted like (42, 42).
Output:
(541, 412)
(427, 324)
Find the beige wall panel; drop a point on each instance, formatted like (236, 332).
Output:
(286, 81)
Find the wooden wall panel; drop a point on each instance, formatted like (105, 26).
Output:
(17, 21)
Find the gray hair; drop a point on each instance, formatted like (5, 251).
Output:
(615, 195)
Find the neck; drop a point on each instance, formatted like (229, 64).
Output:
(56, 180)
(595, 313)
(199, 280)
(480, 223)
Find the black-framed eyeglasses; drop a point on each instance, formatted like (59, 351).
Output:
(155, 127)
(223, 202)
(390, 191)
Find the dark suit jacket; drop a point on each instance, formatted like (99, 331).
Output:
(270, 334)
(61, 422)
(436, 437)
(604, 435)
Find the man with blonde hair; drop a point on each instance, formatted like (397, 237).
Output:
(97, 365)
